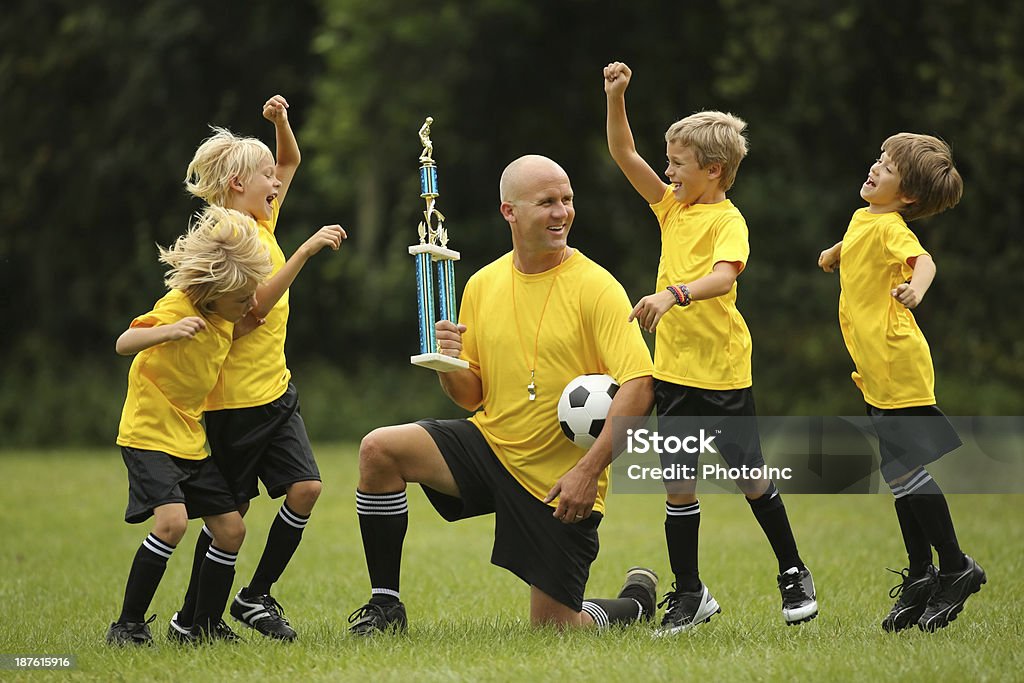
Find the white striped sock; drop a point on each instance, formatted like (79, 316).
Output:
(223, 557)
(596, 613)
(917, 481)
(682, 510)
(381, 504)
(158, 547)
(290, 518)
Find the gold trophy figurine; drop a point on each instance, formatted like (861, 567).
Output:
(433, 250)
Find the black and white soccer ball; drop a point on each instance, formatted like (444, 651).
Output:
(583, 407)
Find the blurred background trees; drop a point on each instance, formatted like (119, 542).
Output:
(103, 106)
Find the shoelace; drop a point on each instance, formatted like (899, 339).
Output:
(140, 627)
(793, 590)
(369, 610)
(222, 630)
(271, 605)
(896, 590)
(674, 600)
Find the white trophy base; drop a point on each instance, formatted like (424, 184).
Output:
(439, 362)
(437, 253)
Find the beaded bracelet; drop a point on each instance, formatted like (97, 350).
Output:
(681, 293)
(686, 295)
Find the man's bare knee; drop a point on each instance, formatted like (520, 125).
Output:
(377, 465)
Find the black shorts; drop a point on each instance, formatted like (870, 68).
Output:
(528, 540)
(267, 442)
(730, 411)
(156, 478)
(909, 438)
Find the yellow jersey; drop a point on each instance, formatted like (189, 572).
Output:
(255, 371)
(893, 361)
(168, 383)
(583, 330)
(707, 344)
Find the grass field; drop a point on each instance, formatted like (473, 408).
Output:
(65, 553)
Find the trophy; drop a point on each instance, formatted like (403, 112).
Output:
(433, 255)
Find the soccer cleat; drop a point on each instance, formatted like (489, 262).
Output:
(953, 591)
(263, 614)
(642, 586)
(220, 631)
(799, 602)
(685, 610)
(371, 619)
(130, 632)
(179, 634)
(912, 595)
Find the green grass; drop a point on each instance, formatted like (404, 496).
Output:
(65, 554)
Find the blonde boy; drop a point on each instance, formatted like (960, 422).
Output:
(253, 423)
(180, 346)
(885, 273)
(702, 351)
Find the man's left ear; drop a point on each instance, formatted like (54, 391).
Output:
(508, 211)
(714, 170)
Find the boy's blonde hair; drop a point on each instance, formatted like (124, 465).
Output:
(221, 252)
(927, 174)
(714, 137)
(218, 159)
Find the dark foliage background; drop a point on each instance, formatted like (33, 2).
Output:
(104, 104)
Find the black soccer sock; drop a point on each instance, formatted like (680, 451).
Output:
(215, 577)
(147, 570)
(919, 550)
(383, 521)
(187, 613)
(608, 611)
(770, 513)
(682, 526)
(932, 512)
(283, 539)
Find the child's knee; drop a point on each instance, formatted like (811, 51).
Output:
(228, 531)
(170, 523)
(302, 496)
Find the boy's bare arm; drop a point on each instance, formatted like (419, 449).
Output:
(275, 110)
(650, 309)
(641, 176)
(271, 291)
(828, 260)
(136, 339)
(910, 294)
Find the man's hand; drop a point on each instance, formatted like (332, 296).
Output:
(449, 337)
(576, 492)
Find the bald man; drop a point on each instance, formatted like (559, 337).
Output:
(531, 321)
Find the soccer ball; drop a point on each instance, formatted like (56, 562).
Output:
(583, 407)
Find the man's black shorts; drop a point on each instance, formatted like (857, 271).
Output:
(909, 438)
(739, 442)
(528, 540)
(156, 478)
(267, 442)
